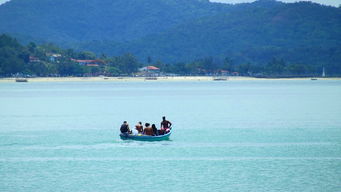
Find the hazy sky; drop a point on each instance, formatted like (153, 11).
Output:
(326, 2)
(2, 1)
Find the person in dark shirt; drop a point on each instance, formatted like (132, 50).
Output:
(125, 128)
(155, 130)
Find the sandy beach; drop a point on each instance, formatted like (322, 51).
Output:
(134, 79)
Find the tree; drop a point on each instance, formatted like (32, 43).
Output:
(7, 41)
(111, 71)
(10, 63)
(244, 68)
(70, 53)
(32, 47)
(128, 63)
(228, 64)
(208, 64)
(296, 69)
(275, 67)
(160, 65)
(86, 55)
(51, 48)
(68, 68)
(149, 60)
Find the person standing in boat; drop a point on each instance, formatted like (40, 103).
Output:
(125, 128)
(148, 130)
(165, 125)
(139, 127)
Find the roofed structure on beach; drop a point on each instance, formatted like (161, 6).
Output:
(89, 63)
(33, 59)
(150, 68)
(223, 72)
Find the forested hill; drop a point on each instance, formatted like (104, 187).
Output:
(182, 30)
(83, 20)
(255, 33)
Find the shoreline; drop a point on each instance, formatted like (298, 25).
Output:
(142, 79)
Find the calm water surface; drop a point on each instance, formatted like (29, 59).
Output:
(228, 136)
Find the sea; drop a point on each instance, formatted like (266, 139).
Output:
(245, 136)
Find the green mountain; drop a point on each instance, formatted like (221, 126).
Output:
(182, 30)
(255, 33)
(66, 21)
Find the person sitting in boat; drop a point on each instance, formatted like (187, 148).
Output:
(148, 130)
(139, 127)
(155, 132)
(125, 128)
(165, 125)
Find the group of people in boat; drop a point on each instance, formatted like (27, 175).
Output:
(165, 128)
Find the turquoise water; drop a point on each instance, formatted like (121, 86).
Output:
(228, 136)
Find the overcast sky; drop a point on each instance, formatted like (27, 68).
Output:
(326, 2)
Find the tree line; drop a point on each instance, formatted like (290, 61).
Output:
(50, 60)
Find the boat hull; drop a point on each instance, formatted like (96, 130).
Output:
(22, 80)
(145, 137)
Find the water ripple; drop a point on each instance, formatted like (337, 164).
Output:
(44, 159)
(17, 146)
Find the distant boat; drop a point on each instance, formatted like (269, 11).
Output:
(220, 79)
(141, 137)
(21, 80)
(313, 79)
(150, 78)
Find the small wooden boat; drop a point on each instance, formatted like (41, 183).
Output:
(140, 137)
(150, 78)
(220, 79)
(21, 80)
